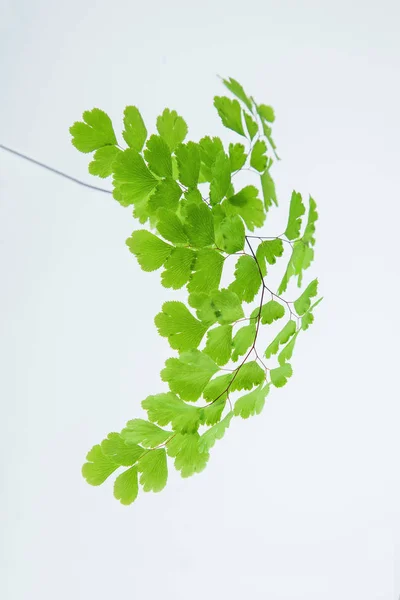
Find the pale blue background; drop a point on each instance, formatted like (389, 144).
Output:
(298, 503)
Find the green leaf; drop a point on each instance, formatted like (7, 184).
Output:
(207, 272)
(258, 158)
(216, 390)
(126, 486)
(236, 89)
(189, 374)
(251, 404)
(230, 234)
(266, 112)
(308, 318)
(316, 303)
(271, 311)
(237, 156)
(303, 303)
(119, 452)
(98, 467)
(268, 134)
(267, 252)
(242, 341)
(193, 196)
(175, 170)
(176, 322)
(135, 131)
(168, 408)
(178, 268)
(204, 309)
(172, 128)
(117, 195)
(270, 250)
(209, 150)
(231, 191)
(297, 248)
(297, 209)
(280, 375)
(251, 125)
(158, 156)
(222, 305)
(215, 433)
(255, 314)
(247, 279)
(132, 177)
(301, 258)
(210, 147)
(221, 177)
(153, 469)
(309, 231)
(287, 352)
(205, 174)
(103, 161)
(166, 195)
(283, 336)
(186, 451)
(140, 431)
(150, 251)
(188, 157)
(199, 225)
(211, 413)
(218, 214)
(248, 375)
(95, 132)
(171, 227)
(268, 188)
(230, 113)
(142, 212)
(219, 344)
(246, 204)
(301, 263)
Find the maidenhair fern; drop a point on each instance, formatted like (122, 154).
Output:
(197, 222)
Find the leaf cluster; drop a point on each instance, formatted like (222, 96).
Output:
(192, 221)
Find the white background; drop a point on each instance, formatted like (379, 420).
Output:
(298, 503)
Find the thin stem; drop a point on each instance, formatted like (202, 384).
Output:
(259, 359)
(232, 253)
(241, 320)
(56, 171)
(226, 390)
(276, 237)
(156, 447)
(263, 283)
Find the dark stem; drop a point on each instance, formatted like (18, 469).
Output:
(56, 171)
